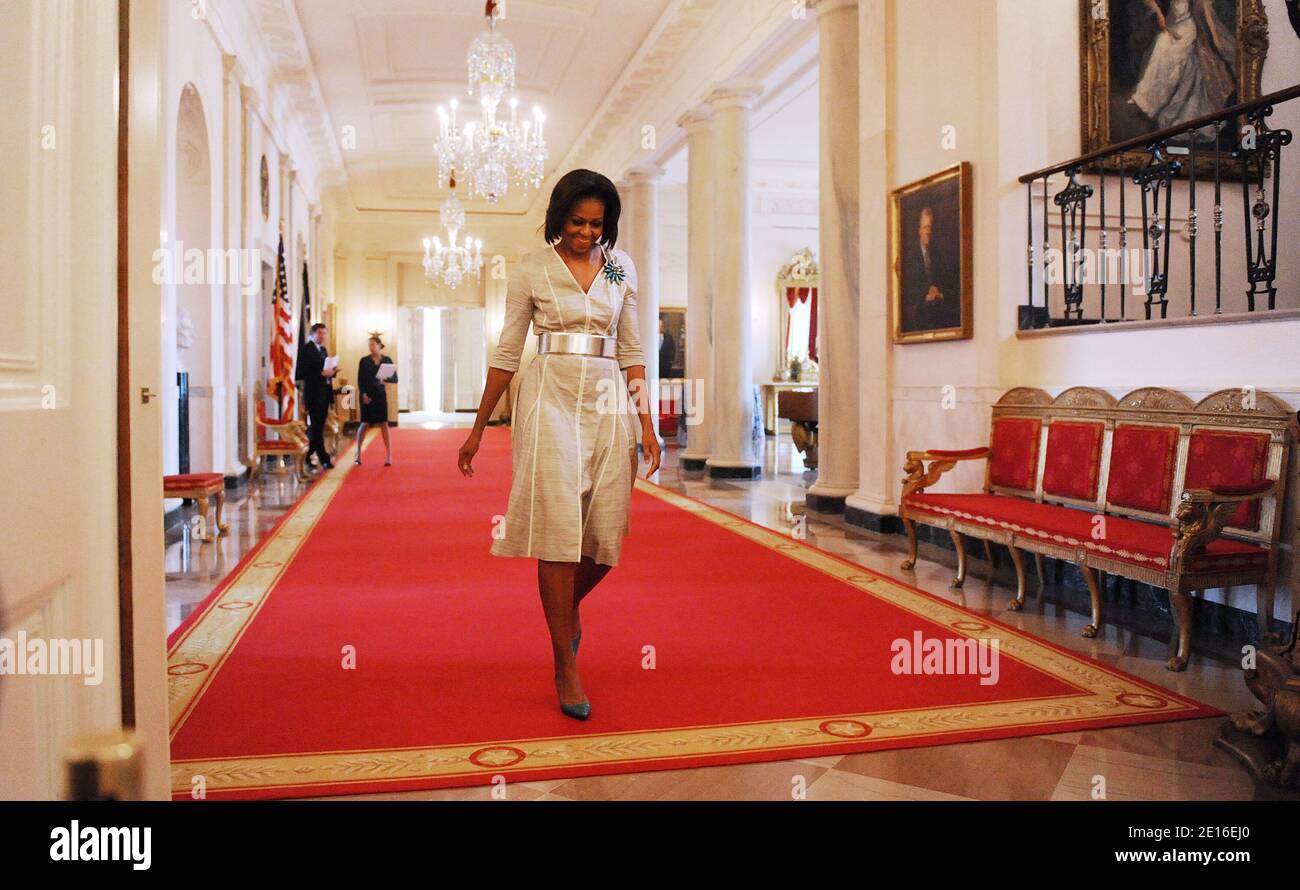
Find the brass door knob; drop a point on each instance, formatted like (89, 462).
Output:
(146, 394)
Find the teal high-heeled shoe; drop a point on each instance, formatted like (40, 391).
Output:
(580, 711)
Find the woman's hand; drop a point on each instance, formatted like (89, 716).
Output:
(650, 448)
(467, 452)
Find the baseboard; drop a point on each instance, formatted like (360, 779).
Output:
(882, 525)
(1143, 607)
(735, 472)
(824, 503)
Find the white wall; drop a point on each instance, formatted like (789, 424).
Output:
(997, 71)
(223, 60)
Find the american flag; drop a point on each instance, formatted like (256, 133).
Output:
(281, 385)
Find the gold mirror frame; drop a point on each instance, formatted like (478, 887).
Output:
(801, 271)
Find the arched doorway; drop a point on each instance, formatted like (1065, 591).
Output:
(190, 335)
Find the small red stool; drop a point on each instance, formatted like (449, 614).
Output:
(199, 487)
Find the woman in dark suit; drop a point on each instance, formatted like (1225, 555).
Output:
(374, 397)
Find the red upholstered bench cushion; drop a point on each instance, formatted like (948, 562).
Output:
(1142, 467)
(1217, 459)
(1073, 463)
(193, 481)
(1013, 452)
(278, 445)
(1130, 540)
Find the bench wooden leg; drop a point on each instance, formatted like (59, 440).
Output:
(960, 543)
(911, 542)
(1019, 562)
(1038, 567)
(206, 533)
(221, 506)
(1094, 593)
(1180, 602)
(1264, 611)
(990, 554)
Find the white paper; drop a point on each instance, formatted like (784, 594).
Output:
(331, 361)
(387, 370)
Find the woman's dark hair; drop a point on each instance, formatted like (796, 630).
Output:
(574, 187)
(377, 340)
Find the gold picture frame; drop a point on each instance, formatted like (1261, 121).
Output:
(1102, 21)
(931, 288)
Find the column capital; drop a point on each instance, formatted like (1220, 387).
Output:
(738, 92)
(642, 173)
(696, 119)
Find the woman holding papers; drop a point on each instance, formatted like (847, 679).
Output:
(375, 370)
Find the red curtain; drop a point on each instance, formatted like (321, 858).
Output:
(802, 295)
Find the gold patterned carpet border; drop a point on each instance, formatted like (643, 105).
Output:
(1101, 694)
(199, 651)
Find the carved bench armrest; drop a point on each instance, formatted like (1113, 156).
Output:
(293, 430)
(1204, 512)
(919, 477)
(1235, 494)
(942, 454)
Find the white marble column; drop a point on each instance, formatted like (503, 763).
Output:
(733, 405)
(232, 144)
(698, 123)
(837, 310)
(249, 212)
(643, 186)
(875, 504)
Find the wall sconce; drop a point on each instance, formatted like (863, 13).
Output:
(374, 327)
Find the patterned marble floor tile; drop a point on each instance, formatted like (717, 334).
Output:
(1129, 776)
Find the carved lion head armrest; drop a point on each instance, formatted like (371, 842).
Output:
(919, 477)
(1204, 512)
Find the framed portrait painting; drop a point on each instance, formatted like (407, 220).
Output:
(672, 343)
(931, 257)
(1147, 65)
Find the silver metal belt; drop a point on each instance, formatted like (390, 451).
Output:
(598, 345)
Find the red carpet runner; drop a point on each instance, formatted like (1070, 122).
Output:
(371, 643)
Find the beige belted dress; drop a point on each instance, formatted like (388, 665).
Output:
(572, 430)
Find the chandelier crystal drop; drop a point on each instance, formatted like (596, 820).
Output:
(454, 263)
(495, 155)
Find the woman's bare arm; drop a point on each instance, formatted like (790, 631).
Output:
(639, 393)
(498, 380)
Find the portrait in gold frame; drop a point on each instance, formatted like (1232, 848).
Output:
(932, 275)
(1231, 39)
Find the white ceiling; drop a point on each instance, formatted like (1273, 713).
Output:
(385, 65)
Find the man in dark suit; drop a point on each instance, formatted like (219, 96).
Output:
(931, 297)
(318, 390)
(667, 351)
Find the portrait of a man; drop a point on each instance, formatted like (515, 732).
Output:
(931, 258)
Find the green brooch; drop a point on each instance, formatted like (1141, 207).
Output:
(613, 272)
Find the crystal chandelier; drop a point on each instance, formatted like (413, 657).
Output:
(495, 155)
(453, 263)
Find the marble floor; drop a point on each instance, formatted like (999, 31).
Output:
(1171, 761)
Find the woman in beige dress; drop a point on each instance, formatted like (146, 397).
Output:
(573, 440)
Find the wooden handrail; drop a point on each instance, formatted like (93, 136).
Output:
(1274, 98)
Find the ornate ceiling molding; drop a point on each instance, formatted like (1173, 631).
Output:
(696, 45)
(292, 74)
